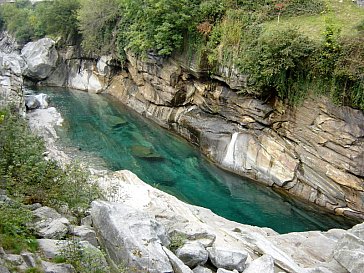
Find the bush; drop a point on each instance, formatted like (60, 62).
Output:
(83, 259)
(58, 18)
(17, 20)
(279, 63)
(15, 235)
(97, 22)
(156, 26)
(32, 178)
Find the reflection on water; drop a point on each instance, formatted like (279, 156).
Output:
(97, 125)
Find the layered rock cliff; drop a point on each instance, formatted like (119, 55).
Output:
(314, 151)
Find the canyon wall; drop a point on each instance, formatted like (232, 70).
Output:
(314, 151)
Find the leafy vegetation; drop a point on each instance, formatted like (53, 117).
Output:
(289, 48)
(84, 259)
(31, 178)
(15, 235)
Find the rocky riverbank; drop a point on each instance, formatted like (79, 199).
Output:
(144, 223)
(314, 152)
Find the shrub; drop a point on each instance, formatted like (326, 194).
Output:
(97, 23)
(156, 26)
(84, 259)
(58, 18)
(34, 179)
(15, 234)
(279, 63)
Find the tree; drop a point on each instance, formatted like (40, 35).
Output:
(58, 18)
(97, 23)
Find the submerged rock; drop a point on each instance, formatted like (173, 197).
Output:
(114, 121)
(145, 152)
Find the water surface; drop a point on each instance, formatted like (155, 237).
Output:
(99, 126)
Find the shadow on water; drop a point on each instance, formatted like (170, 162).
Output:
(100, 126)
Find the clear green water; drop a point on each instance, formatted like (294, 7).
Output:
(97, 125)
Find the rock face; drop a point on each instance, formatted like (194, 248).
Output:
(349, 251)
(81, 72)
(294, 252)
(41, 58)
(314, 151)
(131, 236)
(11, 81)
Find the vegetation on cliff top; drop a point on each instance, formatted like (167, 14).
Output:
(289, 48)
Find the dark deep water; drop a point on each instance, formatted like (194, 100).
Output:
(99, 126)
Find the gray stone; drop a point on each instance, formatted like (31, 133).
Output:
(29, 259)
(13, 259)
(201, 269)
(3, 269)
(31, 102)
(51, 248)
(192, 254)
(43, 100)
(84, 233)
(57, 268)
(49, 224)
(222, 270)
(131, 236)
(264, 264)
(34, 206)
(227, 259)
(349, 251)
(87, 221)
(41, 58)
(177, 264)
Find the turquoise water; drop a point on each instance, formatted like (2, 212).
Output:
(97, 125)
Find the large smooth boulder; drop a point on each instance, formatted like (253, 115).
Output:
(49, 224)
(264, 264)
(349, 251)
(41, 58)
(193, 254)
(131, 237)
(227, 259)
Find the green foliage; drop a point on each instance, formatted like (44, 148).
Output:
(156, 26)
(15, 234)
(84, 259)
(34, 179)
(98, 20)
(33, 270)
(279, 63)
(177, 240)
(17, 20)
(58, 18)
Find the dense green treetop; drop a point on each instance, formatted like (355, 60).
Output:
(288, 47)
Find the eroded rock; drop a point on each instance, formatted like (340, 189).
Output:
(131, 236)
(41, 58)
(192, 254)
(264, 264)
(227, 259)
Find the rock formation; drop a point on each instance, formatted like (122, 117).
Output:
(314, 151)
